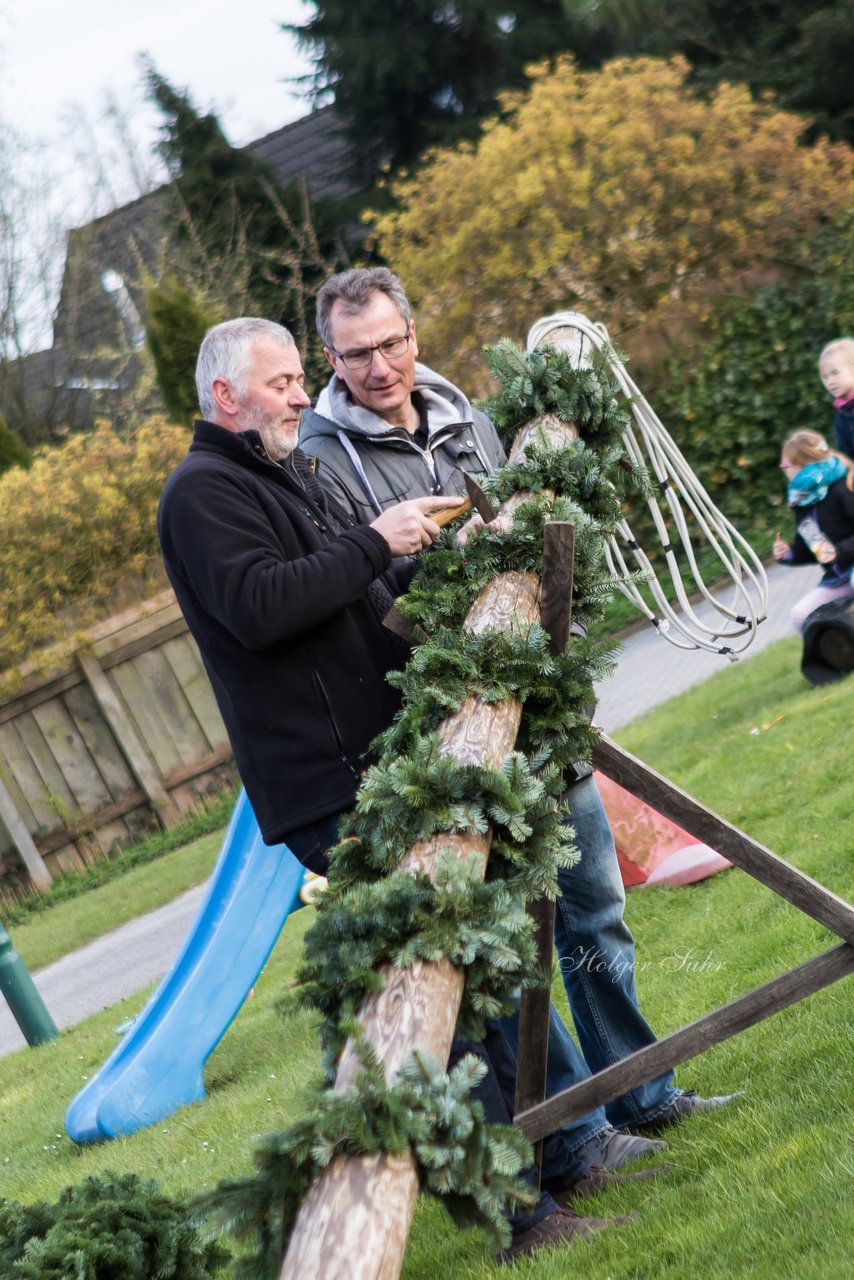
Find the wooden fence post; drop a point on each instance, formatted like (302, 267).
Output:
(128, 739)
(23, 841)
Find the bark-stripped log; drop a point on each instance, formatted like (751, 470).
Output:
(355, 1220)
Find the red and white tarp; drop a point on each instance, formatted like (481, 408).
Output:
(651, 849)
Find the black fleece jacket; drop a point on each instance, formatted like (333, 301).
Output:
(843, 429)
(284, 600)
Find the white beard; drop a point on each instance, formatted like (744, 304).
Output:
(277, 442)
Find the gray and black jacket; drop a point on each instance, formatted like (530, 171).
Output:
(368, 465)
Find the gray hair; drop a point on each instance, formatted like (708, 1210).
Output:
(353, 289)
(226, 353)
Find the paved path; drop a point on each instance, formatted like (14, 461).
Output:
(649, 671)
(114, 966)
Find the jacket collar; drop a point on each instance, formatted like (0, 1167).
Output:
(245, 447)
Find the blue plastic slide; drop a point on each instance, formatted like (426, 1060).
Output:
(158, 1065)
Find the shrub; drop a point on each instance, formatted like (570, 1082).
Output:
(76, 526)
(176, 320)
(618, 192)
(755, 381)
(13, 451)
(110, 1228)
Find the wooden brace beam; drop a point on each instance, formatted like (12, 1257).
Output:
(686, 1043)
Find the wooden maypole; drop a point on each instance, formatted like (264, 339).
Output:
(355, 1219)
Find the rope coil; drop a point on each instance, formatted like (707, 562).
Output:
(651, 448)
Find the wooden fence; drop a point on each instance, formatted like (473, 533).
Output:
(124, 733)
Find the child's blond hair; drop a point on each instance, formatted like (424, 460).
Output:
(842, 347)
(804, 447)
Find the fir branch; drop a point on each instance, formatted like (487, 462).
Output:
(480, 927)
(544, 382)
(117, 1225)
(474, 1167)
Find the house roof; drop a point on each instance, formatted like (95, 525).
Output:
(89, 320)
(125, 241)
(128, 239)
(314, 147)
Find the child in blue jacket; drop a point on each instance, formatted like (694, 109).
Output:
(820, 491)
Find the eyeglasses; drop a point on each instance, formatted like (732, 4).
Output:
(391, 349)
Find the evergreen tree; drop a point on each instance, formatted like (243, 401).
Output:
(13, 451)
(176, 320)
(800, 50)
(412, 73)
(253, 245)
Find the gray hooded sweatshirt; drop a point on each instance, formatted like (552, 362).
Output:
(368, 465)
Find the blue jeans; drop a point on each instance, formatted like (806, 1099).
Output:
(596, 958)
(595, 952)
(564, 1067)
(310, 844)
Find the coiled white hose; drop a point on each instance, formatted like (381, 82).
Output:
(649, 446)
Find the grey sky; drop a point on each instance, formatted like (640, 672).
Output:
(62, 60)
(54, 53)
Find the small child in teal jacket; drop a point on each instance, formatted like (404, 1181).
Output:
(820, 490)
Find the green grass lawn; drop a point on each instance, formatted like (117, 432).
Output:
(764, 1188)
(55, 932)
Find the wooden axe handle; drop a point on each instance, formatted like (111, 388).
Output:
(441, 518)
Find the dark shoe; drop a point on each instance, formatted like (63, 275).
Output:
(561, 1227)
(597, 1179)
(611, 1149)
(687, 1104)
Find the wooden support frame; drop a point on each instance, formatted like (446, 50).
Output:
(798, 888)
(533, 1038)
(537, 1121)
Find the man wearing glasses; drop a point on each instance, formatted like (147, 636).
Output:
(387, 428)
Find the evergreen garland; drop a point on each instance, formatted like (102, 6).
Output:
(545, 381)
(403, 918)
(474, 1166)
(375, 914)
(113, 1227)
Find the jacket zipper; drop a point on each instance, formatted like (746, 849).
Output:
(427, 454)
(427, 457)
(325, 699)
